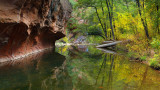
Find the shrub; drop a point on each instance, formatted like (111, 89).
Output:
(154, 62)
(155, 43)
(143, 58)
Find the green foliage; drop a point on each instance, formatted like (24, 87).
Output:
(126, 18)
(129, 20)
(155, 43)
(154, 62)
(97, 70)
(143, 58)
(73, 2)
(94, 39)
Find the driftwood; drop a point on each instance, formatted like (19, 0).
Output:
(107, 51)
(108, 44)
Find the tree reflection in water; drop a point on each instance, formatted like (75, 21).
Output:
(75, 69)
(99, 70)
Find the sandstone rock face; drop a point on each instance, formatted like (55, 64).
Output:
(28, 26)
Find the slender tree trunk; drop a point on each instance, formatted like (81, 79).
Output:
(157, 7)
(105, 29)
(143, 3)
(143, 21)
(99, 19)
(110, 17)
(114, 26)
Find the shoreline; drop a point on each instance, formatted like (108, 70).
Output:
(20, 57)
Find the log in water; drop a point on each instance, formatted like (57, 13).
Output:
(109, 44)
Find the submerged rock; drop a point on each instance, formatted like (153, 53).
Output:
(27, 26)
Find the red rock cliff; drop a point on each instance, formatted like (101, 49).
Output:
(28, 26)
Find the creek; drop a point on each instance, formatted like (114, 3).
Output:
(77, 68)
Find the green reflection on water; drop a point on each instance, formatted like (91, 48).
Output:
(90, 69)
(77, 68)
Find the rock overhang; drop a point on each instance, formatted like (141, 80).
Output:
(27, 26)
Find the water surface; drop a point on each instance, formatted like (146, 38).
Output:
(77, 68)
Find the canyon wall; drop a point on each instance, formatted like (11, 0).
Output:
(29, 26)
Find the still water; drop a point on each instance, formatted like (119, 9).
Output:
(77, 68)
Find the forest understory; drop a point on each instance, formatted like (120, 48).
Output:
(119, 20)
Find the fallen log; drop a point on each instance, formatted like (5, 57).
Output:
(108, 44)
(107, 51)
(105, 42)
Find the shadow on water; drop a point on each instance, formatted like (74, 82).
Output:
(36, 72)
(77, 68)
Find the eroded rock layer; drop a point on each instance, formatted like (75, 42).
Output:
(29, 26)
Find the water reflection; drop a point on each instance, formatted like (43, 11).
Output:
(76, 69)
(97, 69)
(36, 72)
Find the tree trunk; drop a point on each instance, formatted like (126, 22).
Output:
(110, 17)
(157, 7)
(100, 20)
(105, 29)
(143, 21)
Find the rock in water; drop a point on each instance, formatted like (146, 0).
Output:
(28, 26)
